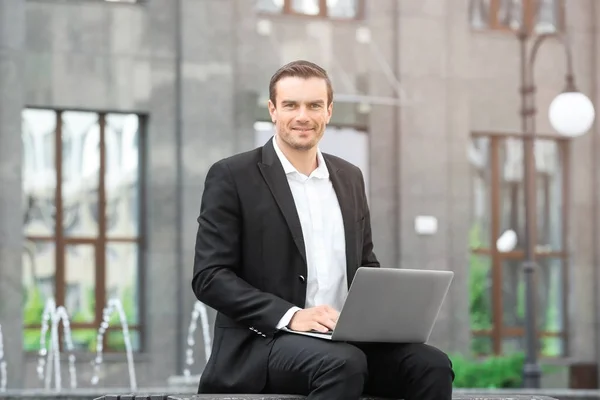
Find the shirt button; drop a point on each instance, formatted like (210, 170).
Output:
(302, 278)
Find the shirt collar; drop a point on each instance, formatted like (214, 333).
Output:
(321, 172)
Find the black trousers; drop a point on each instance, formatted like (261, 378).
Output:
(321, 369)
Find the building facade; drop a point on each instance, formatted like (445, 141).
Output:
(111, 113)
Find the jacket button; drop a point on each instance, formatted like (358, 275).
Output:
(302, 278)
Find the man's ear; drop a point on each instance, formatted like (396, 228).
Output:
(272, 111)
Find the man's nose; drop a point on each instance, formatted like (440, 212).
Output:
(302, 114)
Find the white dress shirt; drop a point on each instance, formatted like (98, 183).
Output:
(323, 231)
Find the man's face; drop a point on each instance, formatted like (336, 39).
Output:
(301, 112)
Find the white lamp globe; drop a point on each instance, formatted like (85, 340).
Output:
(571, 114)
(507, 241)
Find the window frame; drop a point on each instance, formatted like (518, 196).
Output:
(498, 331)
(528, 17)
(100, 241)
(288, 11)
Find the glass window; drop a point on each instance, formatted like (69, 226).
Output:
(510, 14)
(81, 178)
(342, 8)
(540, 16)
(272, 6)
(496, 282)
(547, 16)
(335, 9)
(308, 7)
(479, 157)
(479, 14)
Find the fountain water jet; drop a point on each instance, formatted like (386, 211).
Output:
(199, 311)
(3, 376)
(55, 315)
(112, 306)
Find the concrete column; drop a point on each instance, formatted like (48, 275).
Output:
(213, 54)
(582, 241)
(433, 167)
(594, 15)
(385, 133)
(12, 38)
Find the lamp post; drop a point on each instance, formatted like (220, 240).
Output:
(571, 114)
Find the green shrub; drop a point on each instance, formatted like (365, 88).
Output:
(491, 372)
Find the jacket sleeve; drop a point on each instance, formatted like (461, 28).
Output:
(217, 260)
(368, 256)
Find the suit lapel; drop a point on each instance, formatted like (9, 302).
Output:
(274, 176)
(343, 189)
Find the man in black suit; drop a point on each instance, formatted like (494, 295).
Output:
(282, 231)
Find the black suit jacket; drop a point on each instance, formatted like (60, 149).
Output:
(250, 260)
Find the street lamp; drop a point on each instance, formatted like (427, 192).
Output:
(571, 114)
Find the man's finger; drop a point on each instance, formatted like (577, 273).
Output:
(327, 322)
(320, 327)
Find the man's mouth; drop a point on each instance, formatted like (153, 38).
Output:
(302, 129)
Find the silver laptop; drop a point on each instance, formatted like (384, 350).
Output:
(390, 305)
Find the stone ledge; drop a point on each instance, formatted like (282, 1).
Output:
(251, 397)
(174, 394)
(295, 397)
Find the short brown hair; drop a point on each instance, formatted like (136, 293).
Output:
(301, 69)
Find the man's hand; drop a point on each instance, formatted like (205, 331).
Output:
(320, 318)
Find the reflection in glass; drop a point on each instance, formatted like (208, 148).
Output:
(84, 339)
(479, 13)
(342, 8)
(308, 7)
(39, 171)
(122, 175)
(80, 282)
(481, 345)
(549, 182)
(512, 344)
(513, 294)
(550, 291)
(552, 346)
(80, 173)
(510, 13)
(479, 158)
(549, 196)
(80, 178)
(480, 292)
(38, 277)
(31, 339)
(550, 314)
(273, 6)
(115, 340)
(547, 16)
(548, 346)
(122, 278)
(512, 208)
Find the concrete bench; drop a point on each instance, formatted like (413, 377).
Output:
(92, 394)
(216, 397)
(473, 396)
